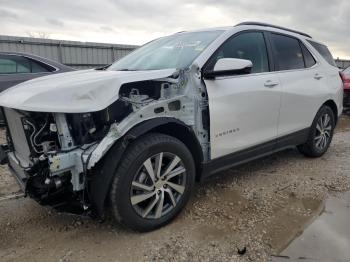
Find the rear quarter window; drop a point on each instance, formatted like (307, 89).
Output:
(324, 52)
(38, 67)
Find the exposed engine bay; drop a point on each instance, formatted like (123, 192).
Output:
(53, 154)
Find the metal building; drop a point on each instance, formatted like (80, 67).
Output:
(76, 54)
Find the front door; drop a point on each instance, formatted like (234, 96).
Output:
(244, 109)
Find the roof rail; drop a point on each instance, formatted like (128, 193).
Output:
(274, 26)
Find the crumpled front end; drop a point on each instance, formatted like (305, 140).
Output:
(55, 156)
(45, 157)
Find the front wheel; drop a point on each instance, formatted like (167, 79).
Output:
(321, 133)
(153, 182)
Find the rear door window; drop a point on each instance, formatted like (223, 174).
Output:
(7, 66)
(287, 52)
(23, 64)
(14, 64)
(10, 64)
(324, 52)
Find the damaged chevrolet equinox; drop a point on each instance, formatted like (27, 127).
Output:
(134, 137)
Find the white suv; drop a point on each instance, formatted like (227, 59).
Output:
(136, 135)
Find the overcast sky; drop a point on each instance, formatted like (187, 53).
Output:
(138, 21)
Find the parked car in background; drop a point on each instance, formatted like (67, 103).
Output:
(16, 68)
(136, 135)
(346, 80)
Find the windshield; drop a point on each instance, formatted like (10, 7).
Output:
(175, 51)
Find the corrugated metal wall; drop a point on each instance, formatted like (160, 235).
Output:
(76, 54)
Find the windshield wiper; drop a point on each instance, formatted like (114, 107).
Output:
(103, 67)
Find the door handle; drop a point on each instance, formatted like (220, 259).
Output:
(318, 77)
(270, 84)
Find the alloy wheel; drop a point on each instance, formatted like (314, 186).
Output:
(158, 185)
(323, 132)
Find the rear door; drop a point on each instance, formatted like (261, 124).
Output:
(304, 84)
(244, 109)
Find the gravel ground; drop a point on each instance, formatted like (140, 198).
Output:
(255, 210)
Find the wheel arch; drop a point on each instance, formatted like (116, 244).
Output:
(175, 128)
(100, 177)
(334, 108)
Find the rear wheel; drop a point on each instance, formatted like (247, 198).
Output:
(153, 182)
(321, 133)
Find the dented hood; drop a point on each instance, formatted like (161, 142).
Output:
(74, 92)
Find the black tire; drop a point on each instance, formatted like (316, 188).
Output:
(133, 165)
(311, 148)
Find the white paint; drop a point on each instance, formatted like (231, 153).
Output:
(261, 112)
(225, 64)
(244, 105)
(74, 92)
(255, 107)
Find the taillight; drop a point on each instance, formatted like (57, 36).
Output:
(342, 76)
(346, 80)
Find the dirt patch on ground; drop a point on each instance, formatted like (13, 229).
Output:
(256, 209)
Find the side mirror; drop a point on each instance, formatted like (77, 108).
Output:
(228, 67)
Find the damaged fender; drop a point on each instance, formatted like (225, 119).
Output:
(103, 173)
